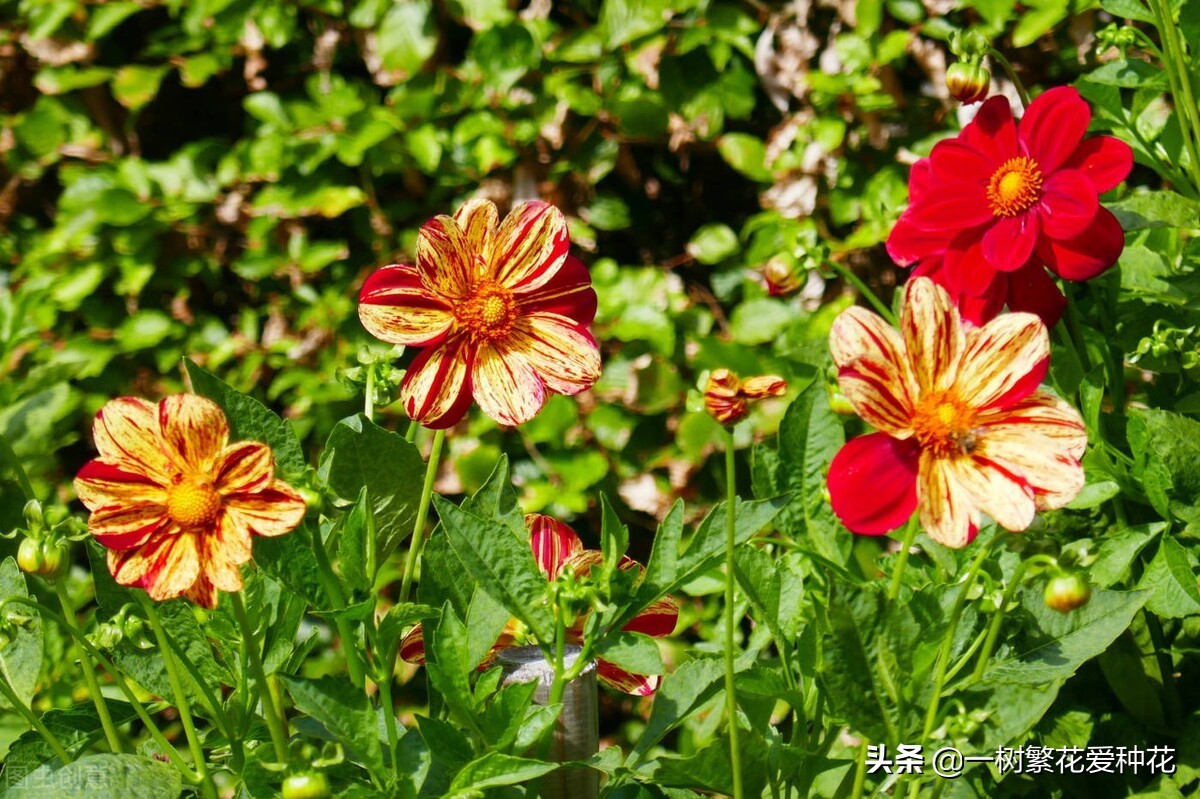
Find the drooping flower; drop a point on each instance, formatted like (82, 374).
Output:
(501, 310)
(727, 397)
(963, 427)
(556, 547)
(989, 208)
(174, 502)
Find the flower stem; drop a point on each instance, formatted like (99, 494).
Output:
(418, 534)
(860, 771)
(354, 664)
(863, 289)
(275, 722)
(34, 722)
(910, 534)
(1181, 84)
(89, 674)
(182, 702)
(1010, 591)
(369, 395)
(1007, 66)
(735, 755)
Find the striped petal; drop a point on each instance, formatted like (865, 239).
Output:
(995, 490)
(194, 429)
(1005, 361)
(412, 646)
(270, 512)
(435, 390)
(873, 483)
(100, 483)
(244, 466)
(447, 265)
(203, 593)
(616, 677)
(553, 543)
(506, 385)
(166, 567)
(222, 553)
(657, 620)
(563, 354)
(126, 429)
(873, 370)
(933, 334)
(531, 246)
(395, 306)
(127, 526)
(569, 293)
(478, 220)
(946, 510)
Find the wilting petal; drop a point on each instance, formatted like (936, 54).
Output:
(552, 541)
(1088, 254)
(1031, 290)
(947, 513)
(657, 620)
(435, 391)
(395, 306)
(244, 466)
(1053, 126)
(1105, 160)
(1008, 243)
(995, 490)
(616, 677)
(933, 335)
(126, 429)
(1068, 204)
(127, 526)
(445, 261)
(531, 246)
(269, 512)
(1005, 360)
(195, 428)
(506, 386)
(872, 483)
(569, 293)
(100, 483)
(873, 370)
(563, 354)
(478, 220)
(412, 646)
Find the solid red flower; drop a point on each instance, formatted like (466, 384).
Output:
(1004, 198)
(556, 547)
(174, 502)
(501, 309)
(963, 427)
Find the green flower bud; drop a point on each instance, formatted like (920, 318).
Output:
(968, 83)
(1067, 591)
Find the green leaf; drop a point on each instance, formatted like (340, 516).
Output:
(135, 85)
(1119, 550)
(1171, 581)
(21, 655)
(408, 36)
(709, 769)
(848, 670)
(760, 320)
(494, 769)
(713, 243)
(623, 21)
(294, 202)
(497, 500)
(501, 564)
(634, 652)
(1127, 73)
(1156, 209)
(75, 728)
(250, 420)
(448, 662)
(1038, 20)
(127, 776)
(679, 695)
(1166, 450)
(1128, 9)
(745, 153)
(344, 710)
(775, 588)
(1062, 642)
(361, 455)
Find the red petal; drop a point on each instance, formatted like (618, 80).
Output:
(447, 263)
(531, 246)
(569, 293)
(436, 390)
(194, 427)
(992, 131)
(1104, 159)
(616, 677)
(552, 541)
(657, 620)
(909, 243)
(1088, 254)
(967, 272)
(412, 646)
(396, 306)
(1008, 244)
(1032, 290)
(873, 483)
(1053, 126)
(1068, 204)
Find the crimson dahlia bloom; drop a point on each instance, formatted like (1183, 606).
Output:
(989, 208)
(501, 309)
(963, 427)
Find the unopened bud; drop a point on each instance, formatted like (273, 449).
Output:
(726, 398)
(781, 278)
(968, 83)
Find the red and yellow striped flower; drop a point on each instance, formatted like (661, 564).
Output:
(963, 426)
(174, 502)
(501, 309)
(556, 547)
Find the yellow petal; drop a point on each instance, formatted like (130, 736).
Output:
(434, 390)
(395, 306)
(193, 430)
(1000, 357)
(946, 510)
(505, 385)
(244, 466)
(531, 246)
(203, 593)
(100, 484)
(933, 334)
(563, 354)
(222, 553)
(127, 526)
(174, 569)
(478, 220)
(444, 257)
(272, 511)
(126, 431)
(994, 490)
(873, 371)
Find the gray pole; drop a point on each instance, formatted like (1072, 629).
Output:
(577, 733)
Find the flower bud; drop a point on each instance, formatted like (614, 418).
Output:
(764, 386)
(722, 397)
(1067, 591)
(781, 278)
(968, 83)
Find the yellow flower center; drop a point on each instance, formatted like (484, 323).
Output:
(1015, 186)
(943, 424)
(488, 313)
(193, 502)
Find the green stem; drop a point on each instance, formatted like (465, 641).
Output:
(369, 396)
(182, 703)
(735, 755)
(418, 533)
(31, 717)
(354, 664)
(1007, 66)
(389, 709)
(89, 674)
(559, 686)
(410, 435)
(7, 454)
(1010, 592)
(910, 535)
(275, 722)
(863, 289)
(1181, 84)
(860, 771)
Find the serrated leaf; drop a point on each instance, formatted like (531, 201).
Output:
(1171, 582)
(127, 776)
(494, 769)
(678, 696)
(1155, 209)
(634, 652)
(21, 656)
(344, 710)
